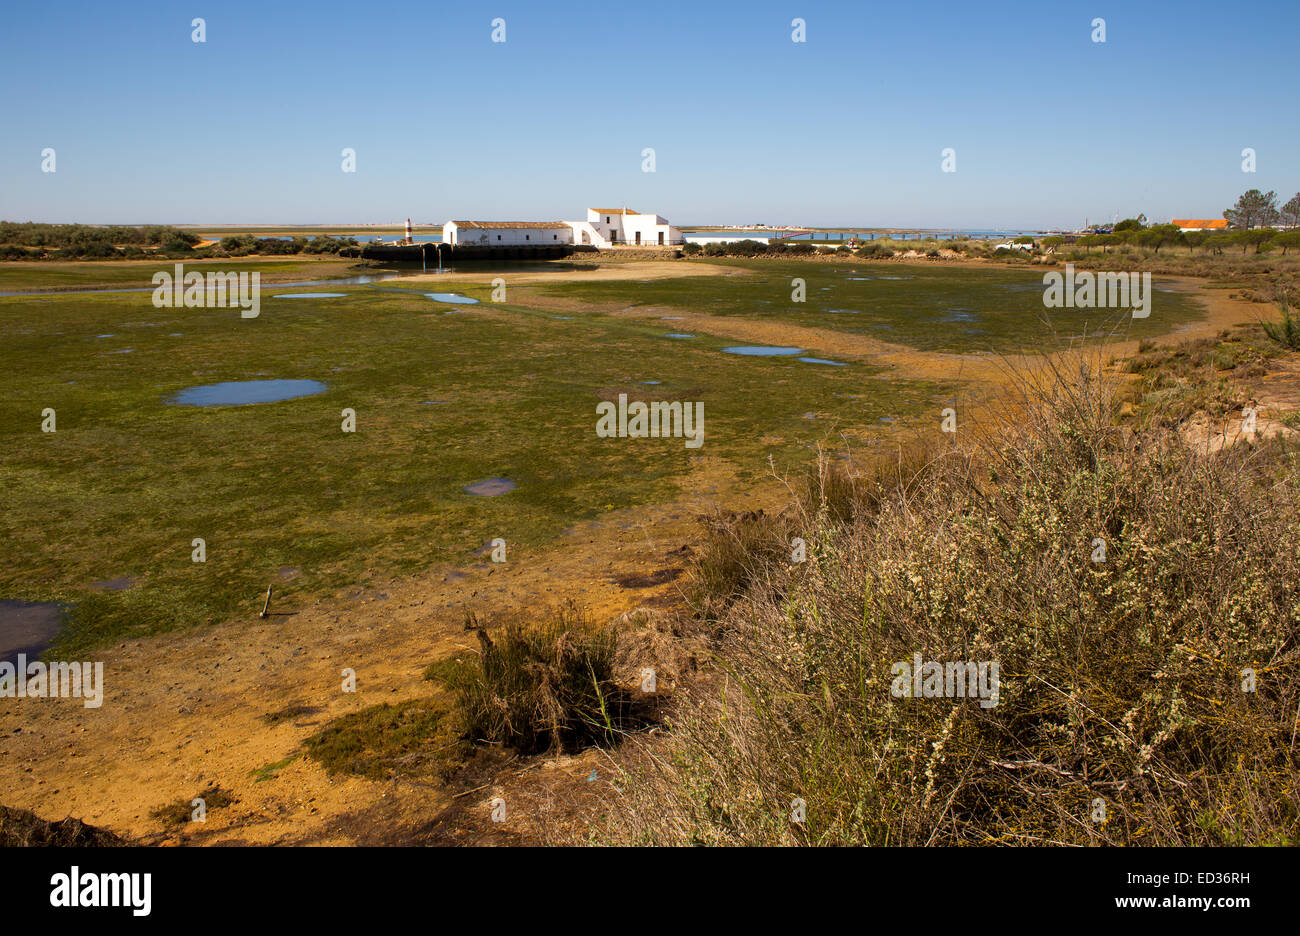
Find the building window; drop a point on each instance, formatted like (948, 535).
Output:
(498, 237)
(607, 221)
(528, 237)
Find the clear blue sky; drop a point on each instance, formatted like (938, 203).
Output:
(845, 129)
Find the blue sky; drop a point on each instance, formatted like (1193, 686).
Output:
(846, 128)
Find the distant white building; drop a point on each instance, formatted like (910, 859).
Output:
(609, 227)
(604, 227)
(507, 233)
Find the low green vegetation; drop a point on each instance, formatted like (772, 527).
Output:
(18, 277)
(445, 396)
(930, 307)
(414, 738)
(182, 811)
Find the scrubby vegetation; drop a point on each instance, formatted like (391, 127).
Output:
(1286, 331)
(182, 811)
(32, 241)
(1203, 375)
(536, 687)
(22, 829)
(1142, 600)
(545, 685)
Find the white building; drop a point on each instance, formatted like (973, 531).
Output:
(608, 227)
(507, 233)
(604, 227)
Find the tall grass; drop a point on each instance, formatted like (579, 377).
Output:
(544, 686)
(1148, 689)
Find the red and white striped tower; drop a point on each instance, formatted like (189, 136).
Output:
(408, 232)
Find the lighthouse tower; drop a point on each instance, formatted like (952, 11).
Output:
(409, 239)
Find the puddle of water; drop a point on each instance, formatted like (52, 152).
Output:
(960, 315)
(105, 336)
(27, 627)
(452, 297)
(651, 382)
(842, 312)
(763, 350)
(489, 488)
(309, 296)
(121, 351)
(121, 583)
(240, 392)
(668, 318)
(563, 318)
(817, 360)
(436, 402)
(679, 335)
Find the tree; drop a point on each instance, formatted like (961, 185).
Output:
(1131, 224)
(1194, 239)
(1159, 235)
(1253, 238)
(1253, 209)
(1291, 212)
(1051, 243)
(1220, 239)
(1289, 239)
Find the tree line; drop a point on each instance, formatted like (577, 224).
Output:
(37, 241)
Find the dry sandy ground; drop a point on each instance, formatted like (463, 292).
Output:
(632, 270)
(182, 712)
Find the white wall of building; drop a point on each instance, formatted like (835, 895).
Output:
(606, 228)
(454, 234)
(601, 229)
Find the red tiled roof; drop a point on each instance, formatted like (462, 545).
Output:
(1196, 222)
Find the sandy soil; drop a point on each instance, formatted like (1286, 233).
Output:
(631, 270)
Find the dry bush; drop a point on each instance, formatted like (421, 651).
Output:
(535, 687)
(1121, 716)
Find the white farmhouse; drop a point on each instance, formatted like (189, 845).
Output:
(507, 233)
(607, 227)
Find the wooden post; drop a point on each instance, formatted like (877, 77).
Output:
(267, 605)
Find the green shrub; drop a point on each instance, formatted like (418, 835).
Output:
(1285, 332)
